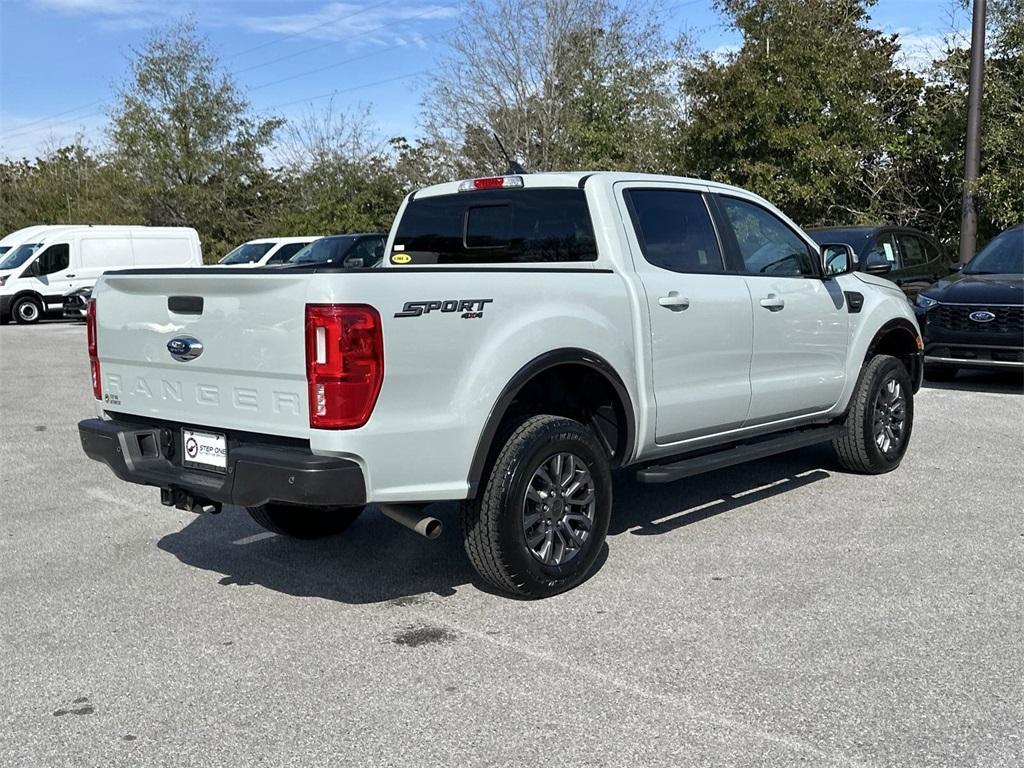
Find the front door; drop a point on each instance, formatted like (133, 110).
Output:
(700, 317)
(49, 274)
(800, 321)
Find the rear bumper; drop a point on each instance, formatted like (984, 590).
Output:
(256, 474)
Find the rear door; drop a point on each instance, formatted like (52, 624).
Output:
(700, 316)
(915, 273)
(800, 322)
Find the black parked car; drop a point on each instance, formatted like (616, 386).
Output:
(975, 319)
(907, 256)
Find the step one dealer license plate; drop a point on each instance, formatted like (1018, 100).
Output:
(205, 450)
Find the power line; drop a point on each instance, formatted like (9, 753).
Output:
(337, 64)
(297, 33)
(21, 128)
(339, 91)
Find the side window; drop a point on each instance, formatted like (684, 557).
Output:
(884, 251)
(931, 251)
(675, 230)
(54, 259)
(285, 252)
(912, 251)
(768, 246)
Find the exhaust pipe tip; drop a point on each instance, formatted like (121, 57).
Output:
(430, 527)
(412, 517)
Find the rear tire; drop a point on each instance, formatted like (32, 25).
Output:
(880, 419)
(27, 310)
(940, 372)
(539, 523)
(304, 522)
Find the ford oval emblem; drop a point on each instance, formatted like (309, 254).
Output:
(185, 348)
(982, 317)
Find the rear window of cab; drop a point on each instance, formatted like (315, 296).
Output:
(496, 226)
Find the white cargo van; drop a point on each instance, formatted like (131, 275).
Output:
(36, 274)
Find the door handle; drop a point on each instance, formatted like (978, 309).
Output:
(773, 303)
(674, 301)
(68, 275)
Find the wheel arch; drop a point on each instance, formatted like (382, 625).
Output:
(28, 293)
(901, 339)
(568, 362)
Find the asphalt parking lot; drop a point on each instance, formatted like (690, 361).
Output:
(781, 613)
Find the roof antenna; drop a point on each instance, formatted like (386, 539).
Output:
(513, 166)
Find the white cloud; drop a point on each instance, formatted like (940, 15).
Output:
(356, 22)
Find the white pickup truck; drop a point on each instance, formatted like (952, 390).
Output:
(525, 336)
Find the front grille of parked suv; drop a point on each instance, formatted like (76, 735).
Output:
(1009, 320)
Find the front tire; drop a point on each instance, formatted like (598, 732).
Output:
(880, 419)
(27, 310)
(539, 523)
(304, 522)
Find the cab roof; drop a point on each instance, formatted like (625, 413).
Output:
(578, 179)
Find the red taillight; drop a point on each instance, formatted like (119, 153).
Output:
(344, 364)
(94, 355)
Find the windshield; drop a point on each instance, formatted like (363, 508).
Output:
(19, 255)
(4, 249)
(1004, 255)
(247, 253)
(325, 250)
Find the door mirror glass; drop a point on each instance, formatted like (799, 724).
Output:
(32, 269)
(837, 259)
(877, 264)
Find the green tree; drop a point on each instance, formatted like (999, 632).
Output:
(67, 185)
(809, 112)
(187, 144)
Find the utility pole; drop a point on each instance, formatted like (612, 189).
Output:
(968, 215)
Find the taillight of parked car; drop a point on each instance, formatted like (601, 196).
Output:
(94, 356)
(344, 364)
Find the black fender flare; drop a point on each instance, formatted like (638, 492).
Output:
(901, 324)
(541, 363)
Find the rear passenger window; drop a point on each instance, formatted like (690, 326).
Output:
(497, 226)
(912, 251)
(675, 230)
(768, 246)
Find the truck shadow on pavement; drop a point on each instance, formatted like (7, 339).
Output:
(376, 560)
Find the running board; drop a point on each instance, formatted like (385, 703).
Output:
(738, 454)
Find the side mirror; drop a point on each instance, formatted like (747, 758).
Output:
(956, 266)
(353, 262)
(837, 259)
(33, 269)
(877, 264)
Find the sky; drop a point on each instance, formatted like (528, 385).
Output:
(61, 60)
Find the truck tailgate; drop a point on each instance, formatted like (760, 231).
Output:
(251, 373)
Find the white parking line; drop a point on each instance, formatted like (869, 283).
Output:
(254, 538)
